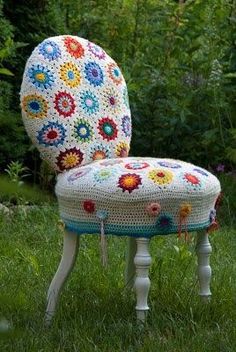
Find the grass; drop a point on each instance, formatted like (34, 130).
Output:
(96, 312)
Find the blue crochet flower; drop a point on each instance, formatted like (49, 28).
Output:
(83, 131)
(126, 125)
(93, 73)
(169, 164)
(41, 76)
(201, 171)
(164, 223)
(89, 102)
(50, 50)
(52, 134)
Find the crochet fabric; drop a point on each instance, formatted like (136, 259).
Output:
(137, 197)
(74, 103)
(75, 109)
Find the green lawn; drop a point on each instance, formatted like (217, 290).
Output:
(96, 311)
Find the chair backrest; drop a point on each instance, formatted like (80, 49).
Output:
(74, 103)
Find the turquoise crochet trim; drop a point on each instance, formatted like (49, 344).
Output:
(125, 230)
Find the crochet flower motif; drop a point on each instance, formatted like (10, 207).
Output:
(191, 181)
(107, 128)
(35, 106)
(126, 125)
(122, 149)
(164, 223)
(93, 73)
(70, 74)
(103, 174)
(78, 174)
(99, 151)
(153, 209)
(41, 76)
(185, 210)
(200, 171)
(160, 177)
(114, 73)
(50, 50)
(111, 101)
(89, 206)
(69, 158)
(129, 182)
(126, 97)
(169, 164)
(83, 130)
(136, 165)
(52, 134)
(64, 104)
(73, 47)
(96, 51)
(89, 102)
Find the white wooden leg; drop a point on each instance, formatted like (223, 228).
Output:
(204, 250)
(130, 267)
(142, 262)
(70, 250)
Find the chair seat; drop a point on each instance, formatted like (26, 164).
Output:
(138, 197)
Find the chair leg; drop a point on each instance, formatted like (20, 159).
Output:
(70, 250)
(130, 267)
(142, 262)
(204, 250)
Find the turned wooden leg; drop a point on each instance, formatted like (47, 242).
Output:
(204, 250)
(130, 267)
(142, 262)
(70, 250)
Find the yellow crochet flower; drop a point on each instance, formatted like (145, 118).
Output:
(35, 106)
(160, 176)
(70, 74)
(122, 149)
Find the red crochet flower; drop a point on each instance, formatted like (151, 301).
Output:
(69, 158)
(107, 128)
(89, 206)
(74, 47)
(64, 104)
(192, 179)
(129, 182)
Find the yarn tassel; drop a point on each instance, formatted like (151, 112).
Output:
(103, 242)
(185, 210)
(102, 215)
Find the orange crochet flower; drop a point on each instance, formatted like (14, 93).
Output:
(74, 47)
(129, 182)
(69, 158)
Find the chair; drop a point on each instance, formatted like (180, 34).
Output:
(75, 109)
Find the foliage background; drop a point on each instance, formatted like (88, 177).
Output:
(178, 57)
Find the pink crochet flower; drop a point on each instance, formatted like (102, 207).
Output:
(153, 209)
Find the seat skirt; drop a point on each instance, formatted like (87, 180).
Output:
(139, 197)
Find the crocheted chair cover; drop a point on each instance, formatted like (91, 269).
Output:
(75, 109)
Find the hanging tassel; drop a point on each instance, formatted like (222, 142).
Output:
(184, 212)
(102, 215)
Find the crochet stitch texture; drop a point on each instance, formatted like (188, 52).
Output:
(75, 109)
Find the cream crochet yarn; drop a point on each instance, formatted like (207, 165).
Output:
(75, 108)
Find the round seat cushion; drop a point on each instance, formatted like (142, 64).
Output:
(137, 197)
